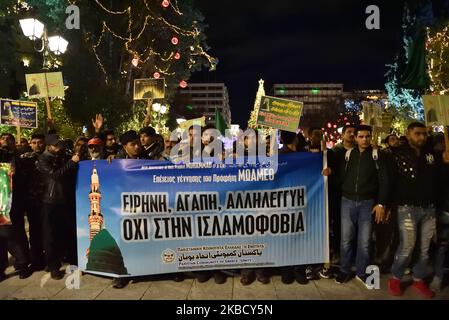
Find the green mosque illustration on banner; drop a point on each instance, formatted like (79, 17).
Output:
(104, 254)
(5, 193)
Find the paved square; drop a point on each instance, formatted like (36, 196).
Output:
(41, 287)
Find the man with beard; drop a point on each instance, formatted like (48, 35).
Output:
(33, 192)
(8, 143)
(59, 233)
(13, 236)
(110, 144)
(419, 177)
(95, 149)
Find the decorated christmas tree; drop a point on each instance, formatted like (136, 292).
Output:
(252, 123)
(406, 78)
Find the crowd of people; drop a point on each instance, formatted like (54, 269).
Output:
(388, 205)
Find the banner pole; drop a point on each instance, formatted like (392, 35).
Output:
(47, 99)
(147, 120)
(446, 138)
(47, 105)
(326, 199)
(18, 134)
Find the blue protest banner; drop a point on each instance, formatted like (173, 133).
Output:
(18, 113)
(138, 217)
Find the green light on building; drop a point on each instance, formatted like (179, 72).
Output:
(189, 107)
(315, 91)
(281, 90)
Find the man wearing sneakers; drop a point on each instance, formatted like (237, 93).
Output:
(364, 194)
(419, 174)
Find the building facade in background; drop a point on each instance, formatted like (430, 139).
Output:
(205, 97)
(357, 96)
(322, 101)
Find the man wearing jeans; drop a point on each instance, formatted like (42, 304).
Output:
(419, 174)
(364, 193)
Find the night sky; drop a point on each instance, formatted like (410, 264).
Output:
(297, 42)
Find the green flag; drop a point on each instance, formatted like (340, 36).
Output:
(220, 123)
(415, 75)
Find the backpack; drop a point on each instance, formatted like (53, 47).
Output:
(375, 155)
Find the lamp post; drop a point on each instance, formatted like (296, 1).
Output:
(36, 30)
(160, 110)
(54, 45)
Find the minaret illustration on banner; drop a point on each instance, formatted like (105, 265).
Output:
(95, 217)
(103, 254)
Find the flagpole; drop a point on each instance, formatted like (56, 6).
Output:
(446, 138)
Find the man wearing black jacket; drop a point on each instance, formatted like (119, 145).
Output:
(59, 235)
(12, 236)
(32, 194)
(17, 231)
(151, 149)
(131, 146)
(364, 181)
(419, 175)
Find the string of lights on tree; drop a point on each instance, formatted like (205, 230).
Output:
(147, 26)
(437, 46)
(252, 122)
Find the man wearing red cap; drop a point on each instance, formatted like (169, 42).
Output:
(95, 148)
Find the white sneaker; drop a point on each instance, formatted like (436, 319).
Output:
(325, 273)
(362, 280)
(436, 284)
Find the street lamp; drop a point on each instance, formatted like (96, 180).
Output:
(156, 107)
(160, 110)
(57, 45)
(34, 30)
